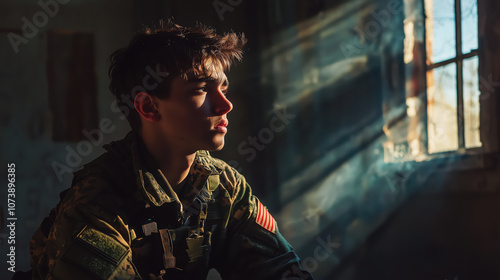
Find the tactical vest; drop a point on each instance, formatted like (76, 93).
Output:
(177, 247)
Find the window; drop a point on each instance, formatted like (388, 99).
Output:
(452, 75)
(441, 64)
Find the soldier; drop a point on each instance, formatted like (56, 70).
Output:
(156, 205)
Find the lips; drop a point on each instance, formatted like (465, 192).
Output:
(222, 123)
(222, 126)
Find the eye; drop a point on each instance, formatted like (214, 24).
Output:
(224, 89)
(201, 89)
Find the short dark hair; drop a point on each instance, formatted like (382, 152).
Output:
(167, 48)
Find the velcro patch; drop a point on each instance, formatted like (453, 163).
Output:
(96, 253)
(264, 219)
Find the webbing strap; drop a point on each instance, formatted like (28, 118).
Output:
(168, 248)
(202, 216)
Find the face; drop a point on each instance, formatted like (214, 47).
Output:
(194, 115)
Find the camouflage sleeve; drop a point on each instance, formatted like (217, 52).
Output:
(255, 247)
(86, 241)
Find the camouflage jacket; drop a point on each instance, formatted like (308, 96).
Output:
(122, 220)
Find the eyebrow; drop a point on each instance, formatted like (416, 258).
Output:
(209, 79)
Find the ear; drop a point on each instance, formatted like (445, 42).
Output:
(145, 106)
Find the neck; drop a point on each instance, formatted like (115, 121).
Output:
(173, 163)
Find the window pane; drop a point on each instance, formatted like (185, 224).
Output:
(469, 25)
(442, 109)
(471, 103)
(440, 28)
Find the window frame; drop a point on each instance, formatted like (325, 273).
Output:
(458, 59)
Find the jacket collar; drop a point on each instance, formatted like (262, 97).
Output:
(152, 183)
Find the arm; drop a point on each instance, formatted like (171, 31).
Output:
(87, 239)
(255, 247)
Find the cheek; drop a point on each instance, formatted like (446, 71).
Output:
(200, 104)
(199, 110)
(184, 118)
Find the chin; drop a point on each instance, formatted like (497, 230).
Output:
(215, 143)
(216, 146)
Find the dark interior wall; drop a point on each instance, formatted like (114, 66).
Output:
(448, 228)
(28, 116)
(306, 131)
(326, 167)
(432, 236)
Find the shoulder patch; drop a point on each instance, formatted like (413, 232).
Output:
(264, 218)
(96, 253)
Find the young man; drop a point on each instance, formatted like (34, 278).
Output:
(157, 205)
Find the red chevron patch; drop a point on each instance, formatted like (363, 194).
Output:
(264, 219)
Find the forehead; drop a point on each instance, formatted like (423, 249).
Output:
(208, 74)
(216, 78)
(193, 80)
(212, 70)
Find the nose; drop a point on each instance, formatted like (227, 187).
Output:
(222, 105)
